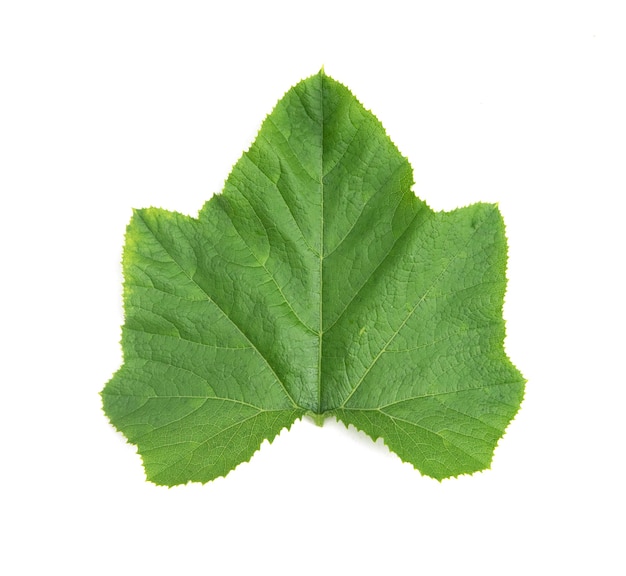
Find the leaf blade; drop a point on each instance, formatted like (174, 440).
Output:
(317, 283)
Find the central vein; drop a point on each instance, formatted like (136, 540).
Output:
(321, 251)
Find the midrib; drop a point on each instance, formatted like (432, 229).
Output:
(321, 253)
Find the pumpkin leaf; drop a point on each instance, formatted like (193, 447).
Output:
(317, 284)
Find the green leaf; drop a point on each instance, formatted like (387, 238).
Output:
(316, 283)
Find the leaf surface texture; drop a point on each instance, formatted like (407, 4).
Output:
(315, 283)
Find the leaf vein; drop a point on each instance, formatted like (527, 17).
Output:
(278, 380)
(393, 336)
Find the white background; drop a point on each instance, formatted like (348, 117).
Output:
(105, 106)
